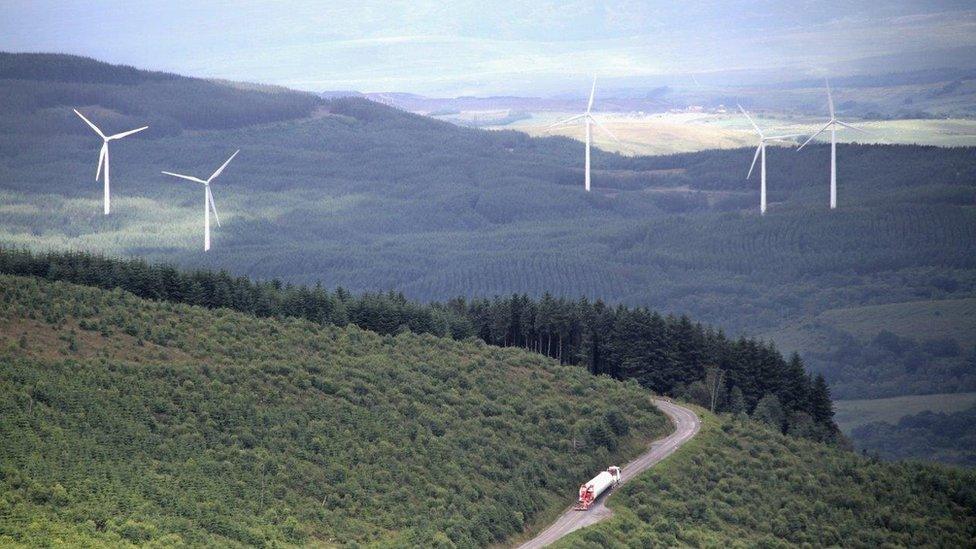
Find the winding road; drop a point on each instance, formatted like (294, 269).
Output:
(686, 425)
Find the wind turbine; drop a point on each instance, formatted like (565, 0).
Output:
(208, 200)
(761, 152)
(832, 125)
(587, 119)
(103, 154)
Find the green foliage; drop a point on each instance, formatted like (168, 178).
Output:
(355, 194)
(226, 429)
(665, 354)
(740, 484)
(931, 436)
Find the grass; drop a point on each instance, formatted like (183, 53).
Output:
(851, 414)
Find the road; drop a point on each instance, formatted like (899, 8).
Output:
(686, 426)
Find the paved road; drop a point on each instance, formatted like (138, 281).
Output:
(686, 426)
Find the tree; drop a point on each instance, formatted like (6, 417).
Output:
(770, 411)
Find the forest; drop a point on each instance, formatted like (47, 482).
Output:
(354, 194)
(134, 422)
(666, 354)
(933, 436)
(740, 484)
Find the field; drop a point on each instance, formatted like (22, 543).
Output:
(668, 133)
(855, 413)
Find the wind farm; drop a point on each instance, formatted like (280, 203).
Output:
(449, 278)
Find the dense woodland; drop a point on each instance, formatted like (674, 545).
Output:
(126, 421)
(358, 195)
(668, 355)
(931, 436)
(741, 485)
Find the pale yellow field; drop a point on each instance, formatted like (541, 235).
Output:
(688, 132)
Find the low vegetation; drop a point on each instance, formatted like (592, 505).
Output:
(739, 484)
(665, 354)
(127, 421)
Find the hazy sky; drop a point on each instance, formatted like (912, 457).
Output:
(481, 47)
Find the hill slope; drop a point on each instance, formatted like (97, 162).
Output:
(130, 421)
(355, 194)
(739, 485)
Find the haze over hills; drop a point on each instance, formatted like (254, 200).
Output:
(350, 193)
(467, 49)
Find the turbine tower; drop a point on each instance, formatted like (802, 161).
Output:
(208, 200)
(587, 119)
(761, 153)
(103, 154)
(832, 125)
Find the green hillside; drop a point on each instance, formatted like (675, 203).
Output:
(351, 193)
(739, 485)
(131, 421)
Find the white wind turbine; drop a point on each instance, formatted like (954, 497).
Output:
(587, 120)
(832, 125)
(103, 154)
(208, 200)
(761, 152)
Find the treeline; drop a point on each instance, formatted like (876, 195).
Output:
(929, 436)
(665, 354)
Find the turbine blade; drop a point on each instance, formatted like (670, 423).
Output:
(224, 165)
(213, 206)
(604, 128)
(820, 131)
(830, 98)
(592, 93)
(130, 132)
(565, 121)
(190, 177)
(754, 158)
(89, 122)
(101, 160)
(846, 125)
(750, 120)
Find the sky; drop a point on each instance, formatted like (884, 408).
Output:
(519, 47)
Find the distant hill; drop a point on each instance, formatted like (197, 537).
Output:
(126, 421)
(923, 93)
(351, 193)
(43, 86)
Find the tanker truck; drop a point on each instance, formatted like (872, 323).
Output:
(591, 490)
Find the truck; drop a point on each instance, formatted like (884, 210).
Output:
(589, 491)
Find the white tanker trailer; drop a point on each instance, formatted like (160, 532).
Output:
(597, 485)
